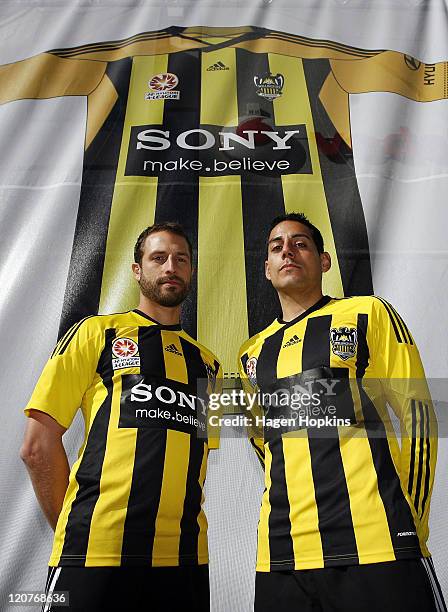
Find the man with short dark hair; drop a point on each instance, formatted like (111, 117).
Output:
(344, 516)
(129, 528)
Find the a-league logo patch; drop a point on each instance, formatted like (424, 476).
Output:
(344, 341)
(251, 370)
(125, 354)
(162, 87)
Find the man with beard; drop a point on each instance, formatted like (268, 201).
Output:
(129, 527)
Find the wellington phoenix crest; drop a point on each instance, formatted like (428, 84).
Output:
(269, 86)
(344, 341)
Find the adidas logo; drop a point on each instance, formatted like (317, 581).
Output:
(171, 348)
(294, 340)
(218, 66)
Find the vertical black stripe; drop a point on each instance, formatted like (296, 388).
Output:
(332, 497)
(280, 541)
(189, 526)
(341, 189)
(89, 472)
(144, 497)
(392, 320)
(428, 460)
(398, 512)
(178, 192)
(316, 343)
(196, 370)
(82, 293)
(267, 362)
(262, 197)
(421, 420)
(413, 447)
(146, 486)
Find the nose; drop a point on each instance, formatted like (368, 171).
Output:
(287, 250)
(170, 264)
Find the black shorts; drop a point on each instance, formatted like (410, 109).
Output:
(396, 586)
(98, 589)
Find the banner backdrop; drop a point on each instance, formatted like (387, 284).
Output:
(116, 115)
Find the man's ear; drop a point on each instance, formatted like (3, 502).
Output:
(136, 271)
(325, 261)
(266, 270)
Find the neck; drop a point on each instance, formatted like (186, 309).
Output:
(296, 304)
(166, 315)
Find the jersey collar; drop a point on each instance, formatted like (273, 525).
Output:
(252, 33)
(323, 300)
(142, 314)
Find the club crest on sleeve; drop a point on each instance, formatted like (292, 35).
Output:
(344, 341)
(251, 370)
(125, 354)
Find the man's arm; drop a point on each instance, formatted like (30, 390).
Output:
(406, 391)
(44, 455)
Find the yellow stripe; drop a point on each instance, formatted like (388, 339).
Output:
(175, 365)
(367, 509)
(263, 554)
(202, 519)
(172, 497)
(289, 361)
(221, 269)
(221, 264)
(305, 192)
(303, 515)
(217, 86)
(109, 515)
(134, 199)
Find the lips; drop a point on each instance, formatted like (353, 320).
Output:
(289, 265)
(171, 281)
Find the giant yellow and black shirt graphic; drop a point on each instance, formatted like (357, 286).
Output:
(342, 492)
(220, 129)
(135, 492)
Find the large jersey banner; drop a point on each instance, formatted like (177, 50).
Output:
(115, 116)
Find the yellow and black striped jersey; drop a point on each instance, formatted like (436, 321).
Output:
(220, 129)
(135, 492)
(341, 490)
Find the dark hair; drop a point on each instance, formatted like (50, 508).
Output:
(168, 226)
(300, 218)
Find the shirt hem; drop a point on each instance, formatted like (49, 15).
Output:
(349, 559)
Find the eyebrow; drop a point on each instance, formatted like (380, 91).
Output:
(161, 252)
(293, 236)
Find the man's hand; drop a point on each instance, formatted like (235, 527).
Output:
(46, 461)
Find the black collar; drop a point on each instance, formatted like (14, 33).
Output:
(323, 300)
(173, 327)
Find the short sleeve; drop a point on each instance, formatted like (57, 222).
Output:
(67, 374)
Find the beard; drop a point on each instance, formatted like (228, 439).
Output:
(164, 295)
